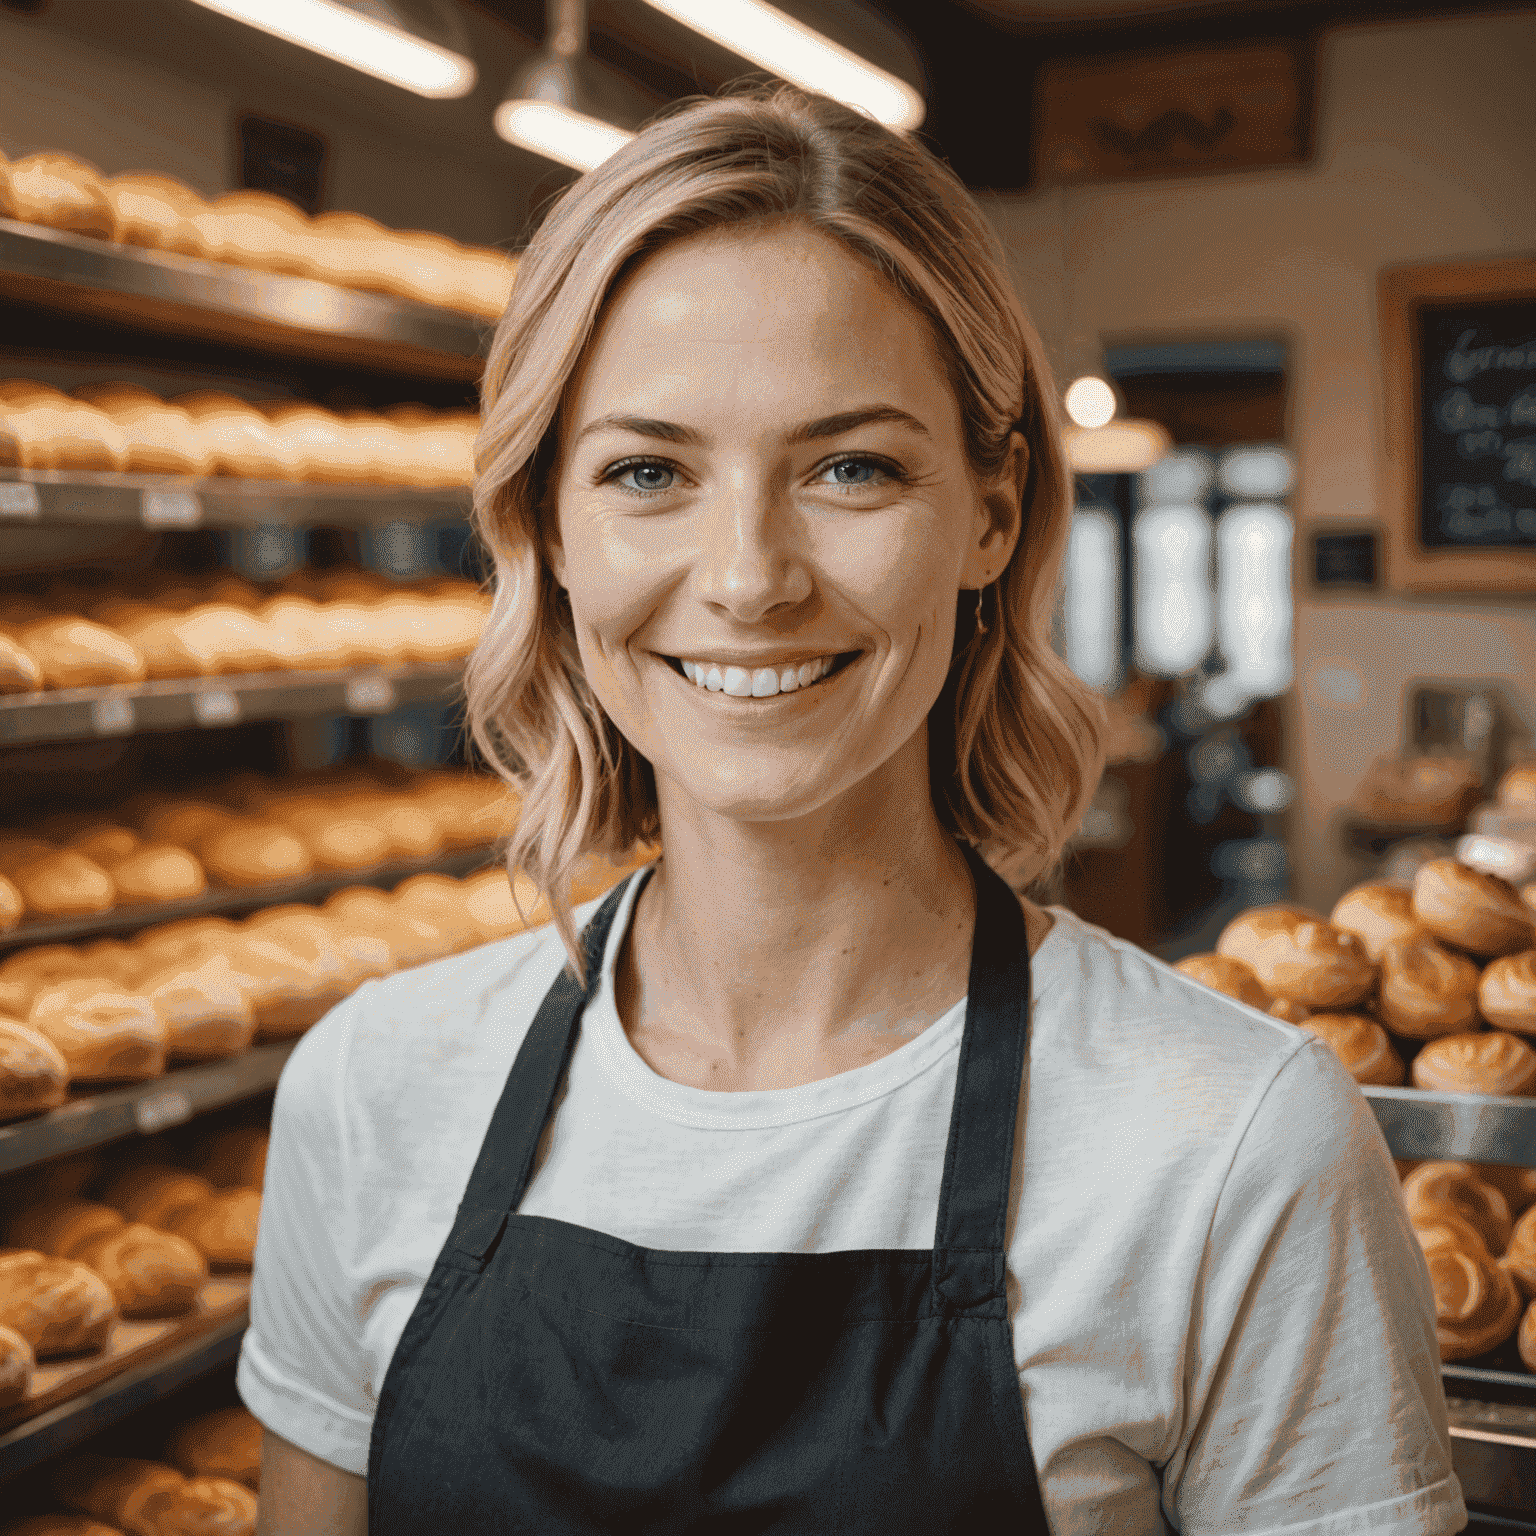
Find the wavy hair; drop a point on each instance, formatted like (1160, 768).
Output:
(1014, 737)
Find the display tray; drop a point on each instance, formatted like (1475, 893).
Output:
(92, 1117)
(214, 301)
(1493, 1449)
(81, 496)
(228, 901)
(76, 714)
(1471, 1127)
(71, 1400)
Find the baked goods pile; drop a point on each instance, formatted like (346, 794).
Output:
(89, 1242)
(1425, 791)
(247, 831)
(1477, 1226)
(255, 229)
(207, 432)
(1444, 973)
(161, 627)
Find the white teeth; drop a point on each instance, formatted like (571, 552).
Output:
(738, 682)
(789, 681)
(758, 683)
(712, 680)
(690, 671)
(809, 672)
(765, 683)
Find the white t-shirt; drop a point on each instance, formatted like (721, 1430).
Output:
(1221, 1319)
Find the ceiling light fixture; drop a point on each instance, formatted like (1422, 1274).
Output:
(1090, 401)
(792, 51)
(559, 104)
(417, 44)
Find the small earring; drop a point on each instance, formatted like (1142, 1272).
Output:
(981, 594)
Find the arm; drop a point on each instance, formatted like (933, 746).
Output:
(304, 1496)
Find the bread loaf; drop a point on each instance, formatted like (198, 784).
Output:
(157, 212)
(1297, 955)
(246, 853)
(17, 1363)
(155, 872)
(59, 883)
(154, 1193)
(104, 1033)
(291, 983)
(151, 1498)
(34, 1077)
(71, 652)
(233, 1158)
(1506, 993)
(222, 1228)
(150, 1273)
(224, 1443)
(161, 437)
(1473, 911)
(58, 191)
(257, 229)
(237, 438)
(1361, 1044)
(1426, 989)
(1486, 1062)
(204, 1007)
(59, 1306)
(60, 1226)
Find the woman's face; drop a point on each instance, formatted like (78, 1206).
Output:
(764, 514)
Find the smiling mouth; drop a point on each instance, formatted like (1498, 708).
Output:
(759, 682)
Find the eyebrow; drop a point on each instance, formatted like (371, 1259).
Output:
(811, 431)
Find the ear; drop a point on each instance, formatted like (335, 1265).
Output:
(997, 518)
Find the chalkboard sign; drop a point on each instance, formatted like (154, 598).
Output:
(1459, 355)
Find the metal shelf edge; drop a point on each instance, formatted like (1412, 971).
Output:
(1473, 1127)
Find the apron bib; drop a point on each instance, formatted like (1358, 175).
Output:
(553, 1379)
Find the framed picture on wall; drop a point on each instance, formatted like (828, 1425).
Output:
(1458, 352)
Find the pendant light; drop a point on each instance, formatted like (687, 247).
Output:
(559, 104)
(420, 45)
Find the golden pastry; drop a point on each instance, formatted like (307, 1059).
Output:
(347, 248)
(1427, 989)
(151, 1498)
(489, 904)
(150, 1273)
(60, 1525)
(60, 1227)
(17, 1363)
(1517, 789)
(1434, 1186)
(1519, 1260)
(317, 443)
(485, 279)
(337, 838)
(156, 212)
(257, 229)
(59, 1306)
(224, 1443)
(106, 1034)
(204, 1007)
(238, 439)
(60, 883)
(1506, 995)
(1361, 1044)
(253, 853)
(1518, 1184)
(1476, 912)
(1487, 1062)
(1297, 955)
(233, 1158)
(222, 1228)
(161, 437)
(59, 191)
(155, 1192)
(19, 673)
(1223, 974)
(1476, 1304)
(292, 981)
(441, 901)
(1377, 914)
(308, 637)
(155, 872)
(25, 974)
(34, 1077)
(43, 428)
(72, 652)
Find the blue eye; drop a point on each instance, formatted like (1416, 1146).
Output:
(662, 466)
(644, 476)
(855, 473)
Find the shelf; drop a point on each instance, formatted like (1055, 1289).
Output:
(214, 301)
(1493, 1448)
(228, 901)
(75, 714)
(1471, 1127)
(93, 1118)
(78, 496)
(144, 1362)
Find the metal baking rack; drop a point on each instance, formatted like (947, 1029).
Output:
(32, 497)
(77, 714)
(214, 301)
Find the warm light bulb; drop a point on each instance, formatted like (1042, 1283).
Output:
(1090, 401)
(374, 47)
(793, 52)
(560, 133)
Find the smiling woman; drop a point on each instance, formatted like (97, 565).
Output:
(811, 1180)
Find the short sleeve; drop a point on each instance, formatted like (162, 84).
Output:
(1314, 1399)
(302, 1369)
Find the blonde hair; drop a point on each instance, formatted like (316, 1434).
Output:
(1014, 737)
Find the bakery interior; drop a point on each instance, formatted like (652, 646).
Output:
(1283, 259)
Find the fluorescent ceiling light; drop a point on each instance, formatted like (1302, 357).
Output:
(559, 132)
(346, 35)
(793, 52)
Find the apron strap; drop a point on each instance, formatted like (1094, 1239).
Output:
(505, 1164)
(968, 1260)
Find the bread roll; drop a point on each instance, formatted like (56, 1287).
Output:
(150, 1498)
(489, 905)
(1519, 1260)
(1377, 914)
(112, 959)
(1361, 1044)
(19, 673)
(338, 838)
(25, 974)
(238, 439)
(154, 1192)
(352, 251)
(1506, 994)
(59, 1306)
(61, 1227)
(1297, 955)
(59, 191)
(43, 428)
(204, 1007)
(316, 443)
(1426, 989)
(424, 267)
(1476, 912)
(1517, 1184)
(248, 853)
(103, 839)
(150, 1273)
(1417, 791)
(440, 900)
(1517, 789)
(71, 652)
(222, 1228)
(156, 212)
(291, 982)
(485, 281)
(183, 821)
(61, 883)
(1434, 1186)
(161, 437)
(17, 1363)
(224, 1443)
(1476, 1304)
(412, 832)
(156, 872)
(226, 639)
(104, 1033)
(307, 634)
(233, 1158)
(1488, 1062)
(257, 229)
(34, 1077)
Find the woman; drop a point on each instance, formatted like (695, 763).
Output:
(829, 1186)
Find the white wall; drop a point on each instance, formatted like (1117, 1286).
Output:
(1426, 151)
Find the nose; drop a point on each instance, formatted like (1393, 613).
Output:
(751, 557)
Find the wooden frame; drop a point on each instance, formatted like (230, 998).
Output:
(1402, 294)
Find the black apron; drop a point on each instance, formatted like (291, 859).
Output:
(554, 1379)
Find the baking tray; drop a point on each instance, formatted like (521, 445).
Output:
(1471, 1127)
